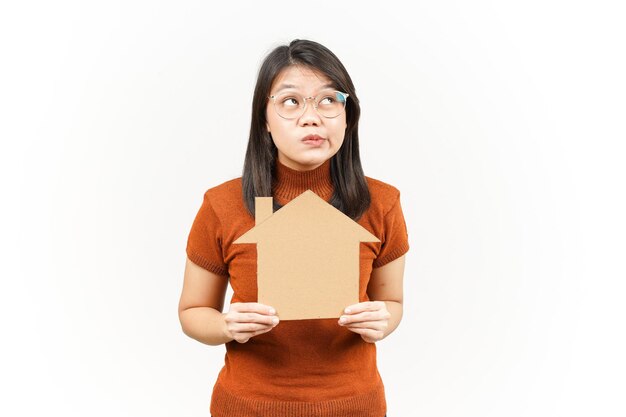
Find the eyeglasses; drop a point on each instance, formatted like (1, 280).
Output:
(328, 103)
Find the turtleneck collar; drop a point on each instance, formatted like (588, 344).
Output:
(290, 183)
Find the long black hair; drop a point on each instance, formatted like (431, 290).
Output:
(351, 194)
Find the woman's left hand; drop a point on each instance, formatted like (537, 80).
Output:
(370, 319)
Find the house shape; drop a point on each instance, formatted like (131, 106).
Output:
(307, 257)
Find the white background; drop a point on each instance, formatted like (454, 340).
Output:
(501, 122)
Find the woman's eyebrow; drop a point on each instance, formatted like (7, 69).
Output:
(285, 86)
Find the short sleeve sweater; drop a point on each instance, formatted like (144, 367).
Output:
(301, 367)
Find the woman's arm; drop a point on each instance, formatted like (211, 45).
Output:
(200, 310)
(376, 319)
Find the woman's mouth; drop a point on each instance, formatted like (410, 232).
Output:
(314, 140)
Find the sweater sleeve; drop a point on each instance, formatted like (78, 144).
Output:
(204, 244)
(395, 242)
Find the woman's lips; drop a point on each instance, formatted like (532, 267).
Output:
(313, 140)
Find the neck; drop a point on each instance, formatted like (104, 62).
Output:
(290, 183)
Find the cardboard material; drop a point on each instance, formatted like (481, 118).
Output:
(307, 257)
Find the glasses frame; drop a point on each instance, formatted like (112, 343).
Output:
(315, 104)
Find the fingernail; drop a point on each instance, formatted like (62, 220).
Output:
(347, 311)
(275, 320)
(272, 311)
(342, 320)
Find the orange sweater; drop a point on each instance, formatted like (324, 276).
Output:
(301, 367)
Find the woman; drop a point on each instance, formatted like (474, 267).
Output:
(303, 135)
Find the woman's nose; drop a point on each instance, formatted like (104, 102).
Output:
(310, 114)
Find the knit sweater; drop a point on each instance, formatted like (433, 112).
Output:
(301, 367)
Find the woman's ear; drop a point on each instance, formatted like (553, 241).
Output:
(267, 126)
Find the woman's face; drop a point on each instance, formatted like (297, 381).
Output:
(288, 134)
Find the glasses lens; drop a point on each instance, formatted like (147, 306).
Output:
(330, 104)
(289, 105)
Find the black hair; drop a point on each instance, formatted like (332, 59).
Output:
(351, 194)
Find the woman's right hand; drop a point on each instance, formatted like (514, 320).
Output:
(246, 320)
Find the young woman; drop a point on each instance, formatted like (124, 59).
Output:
(303, 135)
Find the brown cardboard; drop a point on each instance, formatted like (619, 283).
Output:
(307, 257)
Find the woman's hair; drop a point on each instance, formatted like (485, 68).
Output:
(351, 194)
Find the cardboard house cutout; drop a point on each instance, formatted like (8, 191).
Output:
(307, 257)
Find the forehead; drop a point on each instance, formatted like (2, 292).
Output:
(302, 79)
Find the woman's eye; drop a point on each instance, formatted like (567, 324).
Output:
(290, 101)
(327, 100)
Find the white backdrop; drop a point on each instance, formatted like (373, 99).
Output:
(502, 123)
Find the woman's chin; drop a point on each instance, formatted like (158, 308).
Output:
(305, 162)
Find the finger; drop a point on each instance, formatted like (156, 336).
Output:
(253, 308)
(249, 327)
(372, 325)
(369, 335)
(365, 316)
(365, 306)
(252, 318)
(243, 337)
